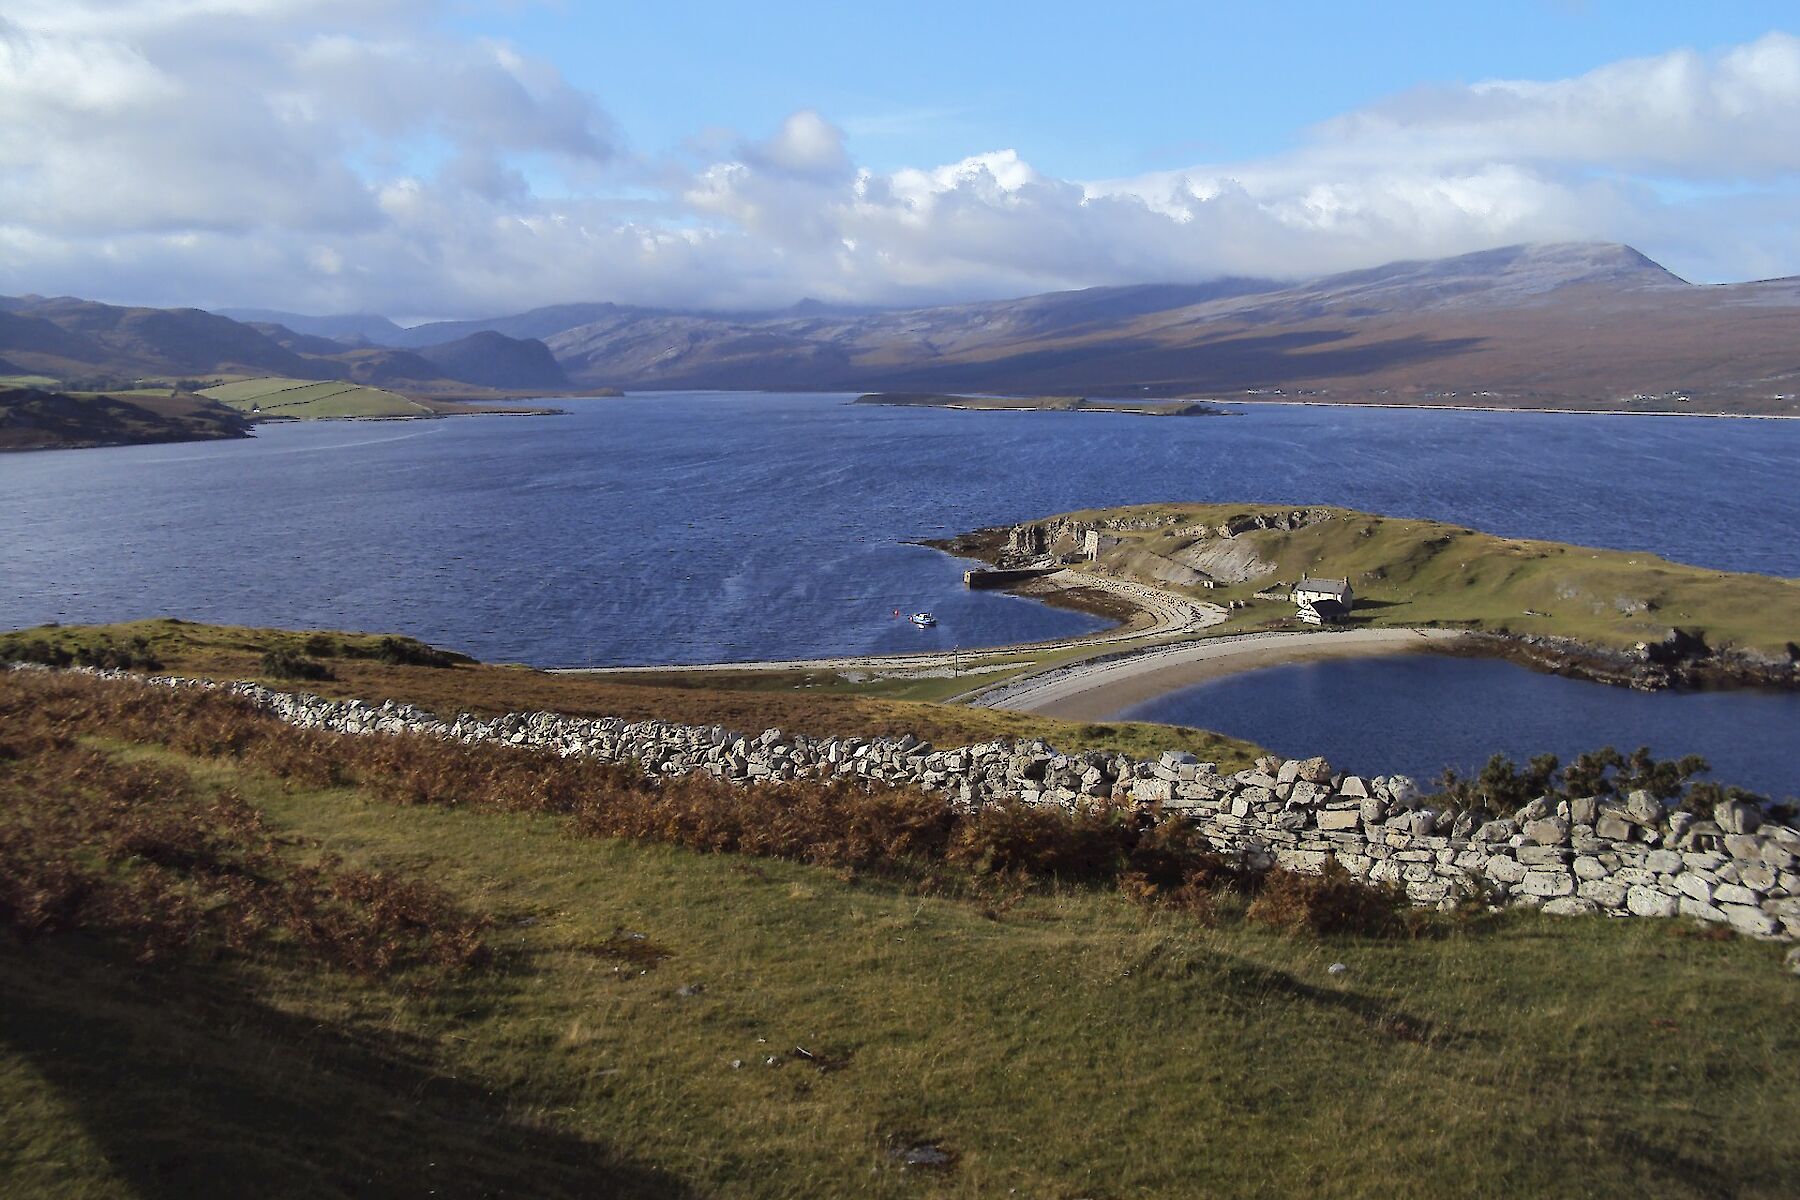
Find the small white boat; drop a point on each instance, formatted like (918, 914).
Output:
(922, 619)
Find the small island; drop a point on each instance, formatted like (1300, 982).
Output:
(1146, 408)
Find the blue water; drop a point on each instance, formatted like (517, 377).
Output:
(1417, 714)
(689, 527)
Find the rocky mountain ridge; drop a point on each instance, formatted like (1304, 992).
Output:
(1581, 325)
(1592, 326)
(73, 339)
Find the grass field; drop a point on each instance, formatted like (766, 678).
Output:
(307, 400)
(225, 652)
(653, 1021)
(1409, 572)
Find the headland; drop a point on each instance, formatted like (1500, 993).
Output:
(1146, 408)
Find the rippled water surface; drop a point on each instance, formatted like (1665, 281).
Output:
(681, 528)
(1417, 714)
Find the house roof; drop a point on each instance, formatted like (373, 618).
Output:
(1339, 586)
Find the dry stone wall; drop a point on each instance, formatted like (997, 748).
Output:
(1629, 858)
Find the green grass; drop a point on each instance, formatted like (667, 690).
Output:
(309, 400)
(1060, 1044)
(1410, 572)
(44, 382)
(142, 393)
(749, 704)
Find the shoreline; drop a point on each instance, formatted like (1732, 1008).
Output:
(1505, 408)
(961, 402)
(1156, 643)
(1101, 690)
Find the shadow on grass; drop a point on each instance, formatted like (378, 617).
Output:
(1243, 978)
(190, 1087)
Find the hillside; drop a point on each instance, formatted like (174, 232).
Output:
(349, 329)
(1412, 572)
(277, 399)
(81, 342)
(385, 966)
(1592, 326)
(66, 336)
(1587, 326)
(33, 418)
(494, 360)
(381, 669)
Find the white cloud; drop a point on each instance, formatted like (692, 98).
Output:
(329, 155)
(806, 144)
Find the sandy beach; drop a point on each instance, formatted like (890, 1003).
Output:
(1136, 663)
(1099, 691)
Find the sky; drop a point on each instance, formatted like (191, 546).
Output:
(441, 158)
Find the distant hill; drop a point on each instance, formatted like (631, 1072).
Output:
(1589, 325)
(302, 343)
(169, 340)
(538, 323)
(494, 360)
(351, 328)
(82, 340)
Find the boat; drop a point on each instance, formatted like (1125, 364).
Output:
(922, 619)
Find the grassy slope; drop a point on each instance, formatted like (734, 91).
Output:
(1064, 1044)
(308, 400)
(1409, 572)
(223, 652)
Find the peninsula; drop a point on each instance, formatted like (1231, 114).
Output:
(1197, 591)
(42, 414)
(1623, 617)
(44, 418)
(1148, 408)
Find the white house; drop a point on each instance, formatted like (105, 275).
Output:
(1310, 590)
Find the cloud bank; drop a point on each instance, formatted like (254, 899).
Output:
(323, 155)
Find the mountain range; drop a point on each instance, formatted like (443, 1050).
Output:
(1588, 325)
(83, 342)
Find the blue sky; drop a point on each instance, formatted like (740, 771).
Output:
(1079, 89)
(429, 158)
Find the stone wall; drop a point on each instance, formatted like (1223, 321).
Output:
(1630, 858)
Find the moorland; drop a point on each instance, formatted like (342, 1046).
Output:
(484, 970)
